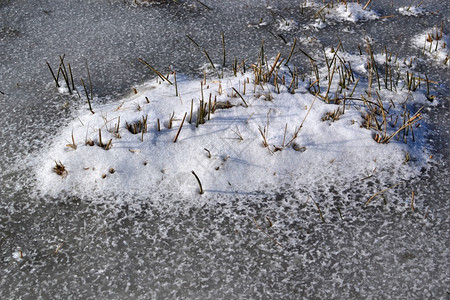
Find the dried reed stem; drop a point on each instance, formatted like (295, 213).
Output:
(243, 100)
(199, 183)
(179, 129)
(154, 70)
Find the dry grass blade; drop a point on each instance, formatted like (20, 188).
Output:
(292, 52)
(179, 129)
(209, 58)
(264, 136)
(108, 145)
(243, 100)
(204, 5)
(87, 96)
(176, 85)
(53, 75)
(199, 183)
(154, 70)
(274, 65)
(90, 82)
(193, 41)
(209, 152)
(71, 78)
(224, 51)
(320, 10)
(73, 145)
(100, 143)
(64, 73)
(367, 4)
(59, 248)
(238, 133)
(307, 55)
(294, 137)
(381, 192)
(320, 211)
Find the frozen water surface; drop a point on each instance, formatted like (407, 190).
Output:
(308, 237)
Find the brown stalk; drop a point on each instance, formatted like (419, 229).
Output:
(243, 100)
(367, 4)
(294, 137)
(179, 129)
(380, 192)
(274, 64)
(154, 70)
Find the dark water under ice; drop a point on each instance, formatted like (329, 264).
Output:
(95, 248)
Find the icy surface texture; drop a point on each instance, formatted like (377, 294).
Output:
(262, 236)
